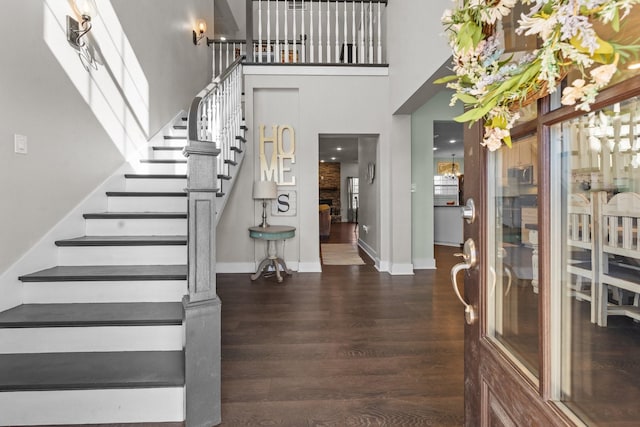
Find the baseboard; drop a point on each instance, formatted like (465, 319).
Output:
(310, 267)
(372, 254)
(401, 269)
(235, 267)
(424, 264)
(44, 253)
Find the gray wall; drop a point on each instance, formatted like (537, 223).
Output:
(368, 214)
(422, 167)
(325, 105)
(417, 49)
(80, 125)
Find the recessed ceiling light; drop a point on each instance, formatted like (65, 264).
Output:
(223, 38)
(452, 141)
(333, 158)
(321, 161)
(435, 148)
(339, 148)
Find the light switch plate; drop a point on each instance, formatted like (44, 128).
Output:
(20, 144)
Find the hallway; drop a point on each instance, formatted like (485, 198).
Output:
(348, 346)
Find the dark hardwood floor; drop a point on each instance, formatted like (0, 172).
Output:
(346, 347)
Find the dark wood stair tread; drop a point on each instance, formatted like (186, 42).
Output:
(147, 193)
(154, 176)
(180, 126)
(174, 137)
(123, 241)
(107, 273)
(163, 161)
(241, 138)
(135, 215)
(165, 148)
(91, 371)
(92, 314)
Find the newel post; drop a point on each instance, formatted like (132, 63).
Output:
(202, 305)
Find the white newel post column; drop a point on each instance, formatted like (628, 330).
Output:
(202, 305)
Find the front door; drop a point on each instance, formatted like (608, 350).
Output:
(503, 385)
(553, 288)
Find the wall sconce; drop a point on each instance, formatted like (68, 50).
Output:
(85, 9)
(201, 26)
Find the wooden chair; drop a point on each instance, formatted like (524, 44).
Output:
(619, 255)
(582, 251)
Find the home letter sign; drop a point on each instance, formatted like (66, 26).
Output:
(276, 157)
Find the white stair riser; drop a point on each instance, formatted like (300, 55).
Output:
(150, 184)
(177, 132)
(122, 255)
(147, 204)
(136, 227)
(166, 154)
(162, 168)
(107, 291)
(150, 405)
(175, 142)
(91, 338)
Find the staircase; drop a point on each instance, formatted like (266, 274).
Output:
(100, 338)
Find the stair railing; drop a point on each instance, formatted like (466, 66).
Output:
(213, 124)
(216, 116)
(317, 31)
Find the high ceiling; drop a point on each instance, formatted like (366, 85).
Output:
(443, 133)
(339, 148)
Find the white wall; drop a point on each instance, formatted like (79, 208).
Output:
(416, 50)
(370, 209)
(325, 105)
(159, 32)
(69, 152)
(82, 124)
(422, 167)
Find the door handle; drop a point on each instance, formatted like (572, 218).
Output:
(469, 211)
(470, 258)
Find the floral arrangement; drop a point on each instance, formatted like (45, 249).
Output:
(494, 87)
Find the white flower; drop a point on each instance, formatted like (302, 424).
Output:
(602, 75)
(446, 16)
(572, 93)
(539, 25)
(493, 138)
(490, 14)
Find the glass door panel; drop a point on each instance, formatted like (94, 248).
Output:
(595, 282)
(513, 251)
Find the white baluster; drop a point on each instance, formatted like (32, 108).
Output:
(345, 41)
(269, 30)
(311, 40)
(295, 36)
(277, 49)
(370, 32)
(337, 55)
(226, 55)
(379, 36)
(354, 42)
(361, 30)
(320, 59)
(259, 30)
(286, 31)
(328, 34)
(303, 36)
(219, 59)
